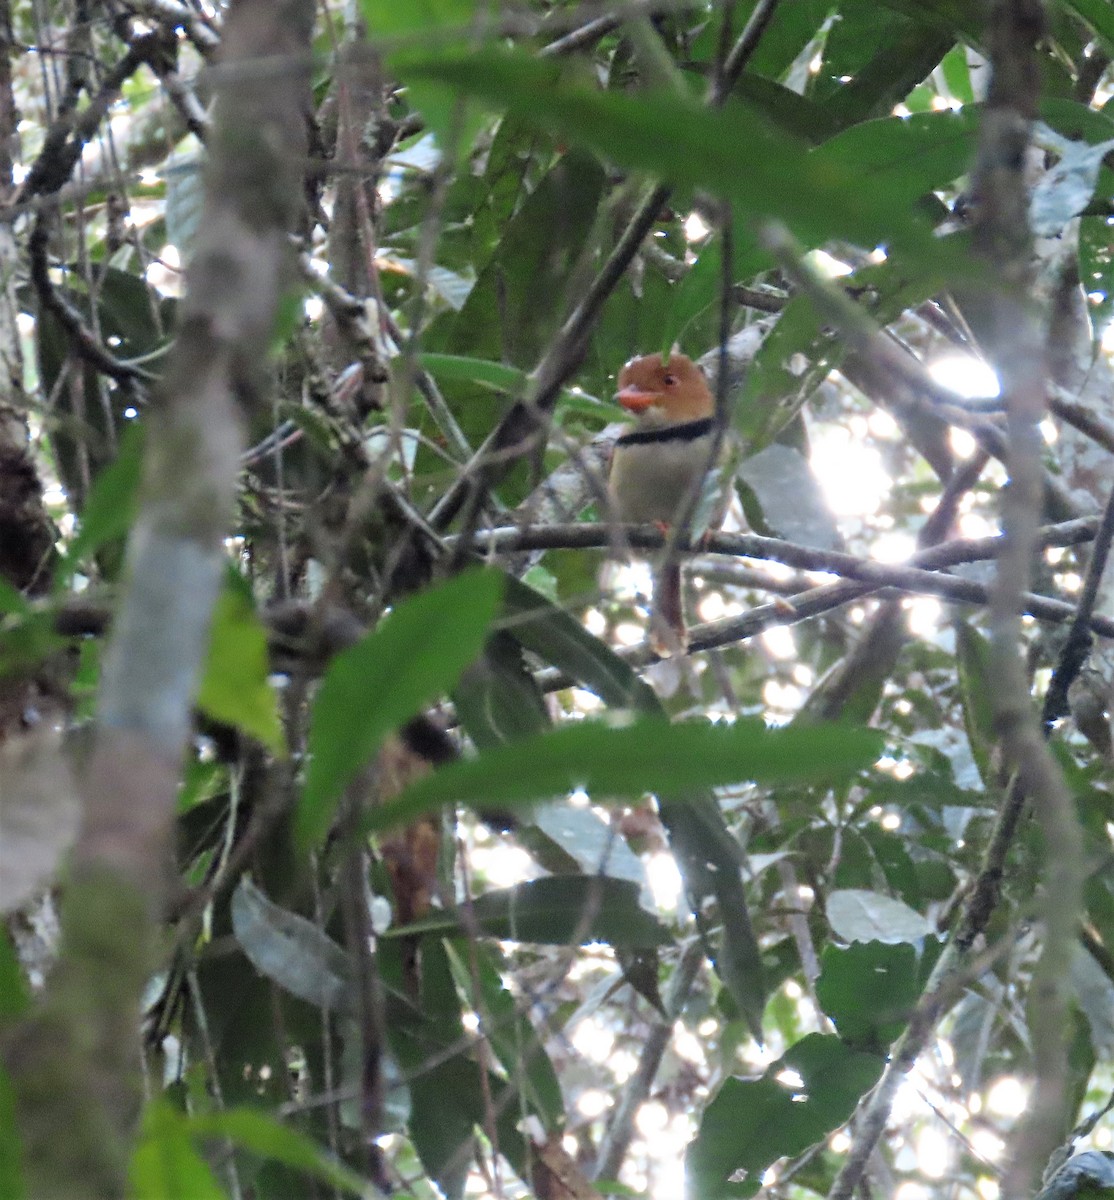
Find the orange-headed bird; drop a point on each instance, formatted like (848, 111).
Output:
(658, 468)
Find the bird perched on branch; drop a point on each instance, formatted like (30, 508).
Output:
(657, 469)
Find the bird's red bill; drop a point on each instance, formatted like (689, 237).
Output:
(636, 399)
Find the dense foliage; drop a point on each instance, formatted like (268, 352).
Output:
(429, 876)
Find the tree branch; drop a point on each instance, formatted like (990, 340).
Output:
(74, 1062)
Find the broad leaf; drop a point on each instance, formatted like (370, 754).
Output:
(1065, 190)
(973, 654)
(789, 496)
(869, 989)
(512, 1036)
(166, 1165)
(591, 844)
(908, 156)
(751, 1124)
(416, 654)
(707, 855)
(857, 915)
(290, 951)
(558, 638)
(1099, 15)
(236, 688)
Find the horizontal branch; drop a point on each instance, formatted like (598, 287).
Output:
(585, 536)
(289, 626)
(924, 574)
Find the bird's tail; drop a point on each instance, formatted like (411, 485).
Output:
(667, 625)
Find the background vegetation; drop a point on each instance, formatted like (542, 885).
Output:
(352, 838)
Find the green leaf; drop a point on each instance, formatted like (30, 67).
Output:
(165, 1165)
(648, 755)
(421, 18)
(112, 504)
(462, 369)
(857, 915)
(447, 1090)
(262, 1134)
(185, 201)
(589, 843)
(957, 74)
(497, 699)
(869, 989)
(12, 600)
(792, 504)
(530, 267)
(707, 855)
(1094, 993)
(684, 143)
(708, 858)
(773, 394)
(874, 56)
(414, 24)
(555, 911)
(796, 114)
(751, 1124)
(290, 950)
(416, 655)
(500, 377)
(556, 637)
(701, 285)
(1099, 15)
(908, 156)
(236, 688)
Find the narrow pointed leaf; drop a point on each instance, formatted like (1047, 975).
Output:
(262, 1134)
(682, 142)
(646, 756)
(555, 910)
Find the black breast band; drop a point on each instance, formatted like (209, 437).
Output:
(688, 431)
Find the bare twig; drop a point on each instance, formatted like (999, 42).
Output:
(1079, 640)
(619, 1133)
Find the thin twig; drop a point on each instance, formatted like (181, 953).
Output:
(617, 1140)
(1079, 640)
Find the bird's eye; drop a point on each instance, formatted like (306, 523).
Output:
(669, 380)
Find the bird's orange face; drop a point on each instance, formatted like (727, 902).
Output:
(674, 387)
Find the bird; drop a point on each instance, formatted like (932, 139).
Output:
(657, 469)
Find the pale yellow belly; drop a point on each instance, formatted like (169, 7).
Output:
(651, 482)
